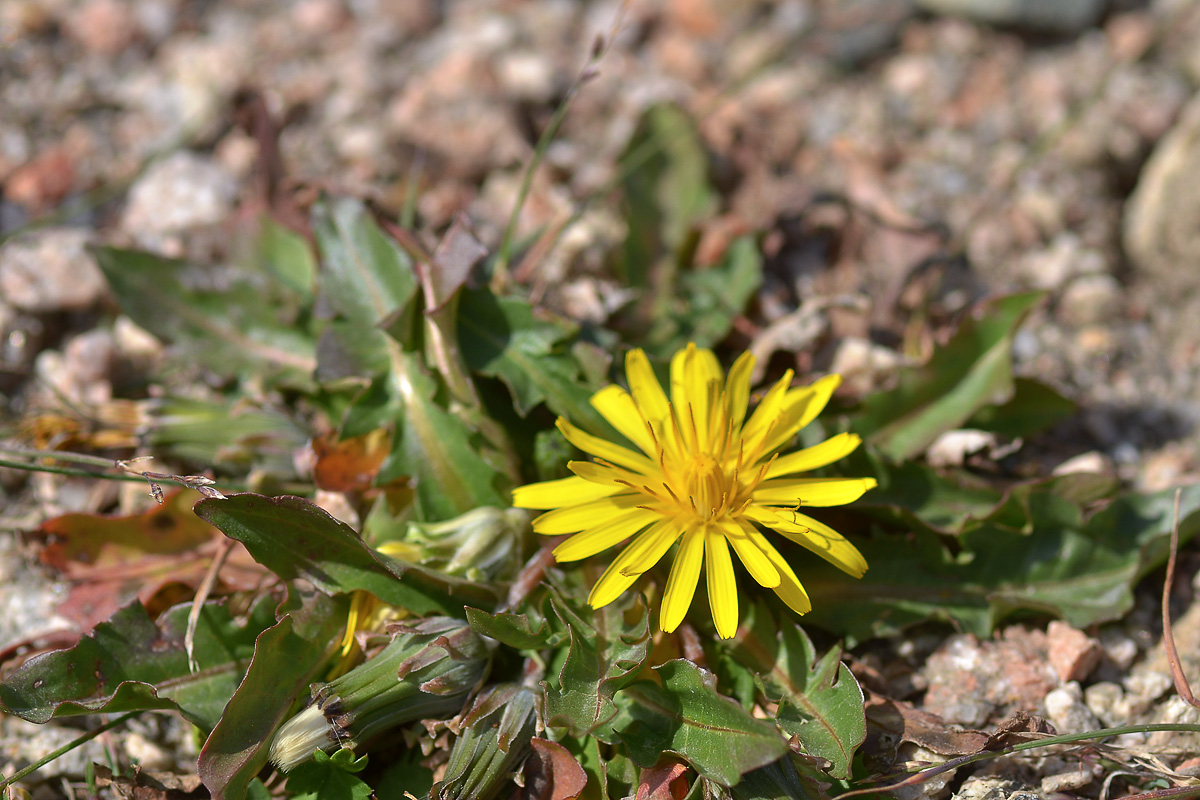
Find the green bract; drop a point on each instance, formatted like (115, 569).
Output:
(426, 671)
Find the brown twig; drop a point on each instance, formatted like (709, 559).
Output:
(1182, 687)
(202, 593)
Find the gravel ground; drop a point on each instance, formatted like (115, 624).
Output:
(903, 159)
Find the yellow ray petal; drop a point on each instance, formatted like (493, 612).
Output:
(598, 538)
(643, 384)
(696, 381)
(681, 585)
(650, 546)
(612, 584)
(617, 406)
(750, 545)
(608, 475)
(564, 492)
(737, 390)
(765, 416)
(823, 454)
(811, 491)
(813, 535)
(801, 407)
(722, 585)
(602, 448)
(789, 589)
(622, 572)
(571, 519)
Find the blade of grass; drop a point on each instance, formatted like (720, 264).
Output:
(25, 772)
(500, 271)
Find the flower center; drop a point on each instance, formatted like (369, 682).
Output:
(707, 487)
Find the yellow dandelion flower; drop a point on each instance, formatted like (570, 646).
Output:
(705, 477)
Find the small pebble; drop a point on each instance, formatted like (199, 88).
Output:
(1103, 700)
(182, 192)
(50, 270)
(1073, 653)
(1067, 712)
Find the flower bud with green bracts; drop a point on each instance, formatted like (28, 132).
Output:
(493, 741)
(426, 671)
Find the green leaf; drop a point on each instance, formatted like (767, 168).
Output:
(351, 349)
(666, 190)
(130, 663)
(287, 659)
(973, 371)
(366, 276)
(705, 301)
(405, 773)
(503, 337)
(609, 771)
(781, 780)
(820, 702)
(515, 630)
(739, 661)
(287, 256)
(1033, 408)
(229, 320)
(688, 717)
(329, 777)
(605, 654)
(1082, 569)
(914, 494)
(297, 539)
(226, 434)
(433, 447)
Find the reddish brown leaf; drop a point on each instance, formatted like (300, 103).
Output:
(663, 782)
(111, 560)
(149, 785)
(351, 464)
(551, 773)
(907, 723)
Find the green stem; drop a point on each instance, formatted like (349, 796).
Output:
(503, 254)
(66, 748)
(72, 471)
(61, 455)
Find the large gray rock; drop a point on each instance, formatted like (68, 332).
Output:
(1162, 218)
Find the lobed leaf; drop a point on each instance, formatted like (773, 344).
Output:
(706, 301)
(666, 190)
(329, 777)
(515, 630)
(604, 655)
(133, 663)
(504, 338)
(688, 717)
(1033, 408)
(820, 702)
(441, 456)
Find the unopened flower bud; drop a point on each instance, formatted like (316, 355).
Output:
(483, 544)
(493, 740)
(426, 671)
